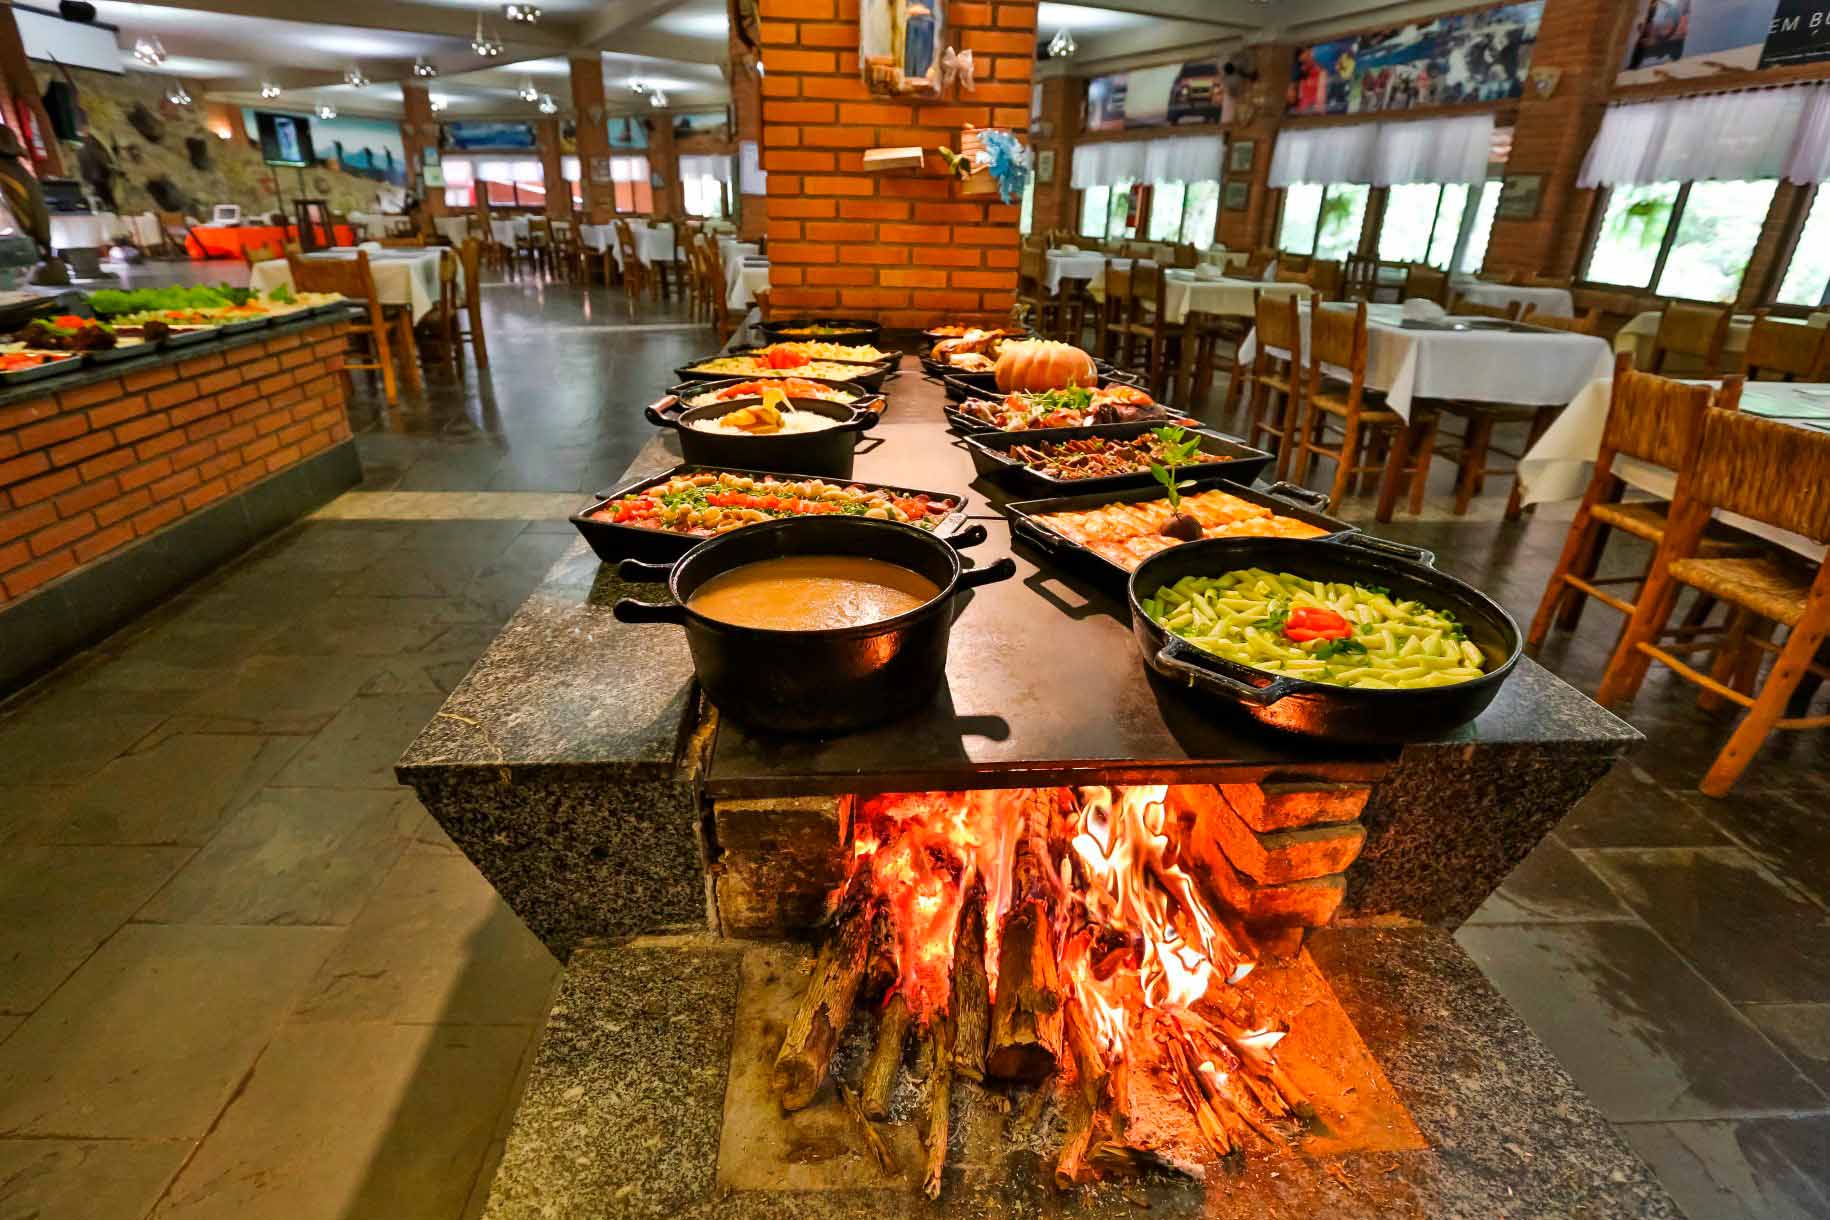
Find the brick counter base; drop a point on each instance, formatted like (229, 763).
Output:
(92, 471)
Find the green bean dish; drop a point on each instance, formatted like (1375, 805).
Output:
(1319, 631)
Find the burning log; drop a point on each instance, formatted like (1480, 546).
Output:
(825, 1010)
(886, 1058)
(940, 1098)
(1026, 1019)
(879, 1150)
(1071, 1164)
(971, 989)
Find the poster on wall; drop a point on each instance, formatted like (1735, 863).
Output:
(1483, 56)
(366, 148)
(714, 124)
(466, 135)
(1701, 37)
(1161, 96)
(628, 131)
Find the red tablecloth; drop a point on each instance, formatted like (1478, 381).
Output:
(222, 241)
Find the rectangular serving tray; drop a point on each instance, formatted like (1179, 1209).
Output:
(961, 386)
(614, 542)
(1222, 455)
(51, 368)
(869, 376)
(966, 425)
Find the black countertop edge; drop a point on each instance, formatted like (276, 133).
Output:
(51, 386)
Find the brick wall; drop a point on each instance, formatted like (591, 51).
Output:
(901, 247)
(87, 471)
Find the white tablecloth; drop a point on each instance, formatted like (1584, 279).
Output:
(1072, 267)
(653, 244)
(597, 238)
(747, 279)
(1498, 296)
(454, 229)
(1532, 369)
(1219, 257)
(1559, 466)
(1636, 337)
(402, 277)
(96, 229)
(1187, 293)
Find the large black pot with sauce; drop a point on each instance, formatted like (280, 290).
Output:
(828, 452)
(818, 682)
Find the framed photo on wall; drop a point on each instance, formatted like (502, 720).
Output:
(1236, 196)
(1239, 156)
(1520, 196)
(1045, 167)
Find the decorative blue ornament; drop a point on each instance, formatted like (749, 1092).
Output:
(1008, 162)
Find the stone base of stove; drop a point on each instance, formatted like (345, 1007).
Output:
(625, 1105)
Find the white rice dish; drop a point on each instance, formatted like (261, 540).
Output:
(792, 422)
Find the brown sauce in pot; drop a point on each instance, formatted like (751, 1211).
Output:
(812, 593)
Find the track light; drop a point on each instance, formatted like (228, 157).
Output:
(269, 90)
(484, 43)
(527, 92)
(657, 99)
(548, 105)
(437, 104)
(327, 111)
(1062, 45)
(526, 14)
(424, 70)
(354, 78)
(178, 95)
(149, 51)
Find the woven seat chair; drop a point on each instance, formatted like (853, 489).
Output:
(1697, 333)
(1276, 402)
(1032, 292)
(1652, 419)
(635, 275)
(1786, 351)
(1462, 307)
(1328, 279)
(354, 279)
(1769, 472)
(1588, 324)
(1426, 283)
(1359, 277)
(1338, 339)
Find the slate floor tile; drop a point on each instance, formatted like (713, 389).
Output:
(279, 694)
(1551, 885)
(399, 1130)
(1627, 809)
(360, 745)
(150, 1037)
(1640, 1031)
(1788, 831)
(1718, 907)
(85, 1179)
(1753, 1169)
(42, 748)
(1802, 1031)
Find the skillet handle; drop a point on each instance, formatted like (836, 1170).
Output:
(1175, 659)
(863, 419)
(629, 610)
(638, 572)
(972, 535)
(1386, 547)
(991, 574)
(1297, 493)
(654, 411)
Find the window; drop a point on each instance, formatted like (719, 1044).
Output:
(1166, 211)
(572, 171)
(1807, 280)
(1302, 206)
(1093, 203)
(1423, 223)
(704, 196)
(1201, 213)
(629, 179)
(1690, 240)
(1323, 221)
(512, 184)
(1122, 215)
(460, 184)
(1480, 230)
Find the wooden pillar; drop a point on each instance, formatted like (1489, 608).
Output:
(23, 90)
(1258, 112)
(558, 191)
(418, 132)
(1057, 204)
(669, 200)
(593, 135)
(746, 106)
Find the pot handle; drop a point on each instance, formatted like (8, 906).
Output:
(972, 535)
(863, 419)
(991, 574)
(1176, 657)
(1386, 547)
(629, 610)
(637, 572)
(1297, 493)
(654, 411)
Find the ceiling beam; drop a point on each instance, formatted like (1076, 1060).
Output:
(399, 17)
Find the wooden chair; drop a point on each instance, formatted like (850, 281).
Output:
(405, 241)
(1292, 275)
(1256, 263)
(1293, 262)
(1588, 324)
(635, 275)
(1113, 313)
(1276, 403)
(354, 279)
(176, 231)
(1476, 447)
(439, 327)
(1786, 351)
(564, 250)
(1147, 336)
(530, 248)
(468, 324)
(1327, 278)
(1426, 283)
(1359, 278)
(1338, 338)
(1698, 332)
(1651, 419)
(1032, 291)
(1462, 307)
(258, 253)
(1769, 472)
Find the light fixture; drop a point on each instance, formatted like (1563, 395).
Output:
(548, 105)
(424, 70)
(1061, 46)
(327, 111)
(269, 90)
(485, 44)
(527, 14)
(354, 78)
(437, 104)
(636, 86)
(178, 95)
(657, 99)
(149, 51)
(527, 92)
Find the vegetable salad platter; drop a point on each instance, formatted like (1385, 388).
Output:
(1075, 407)
(1109, 456)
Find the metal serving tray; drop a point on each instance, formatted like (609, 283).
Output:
(51, 368)
(687, 389)
(1222, 455)
(966, 425)
(870, 376)
(614, 542)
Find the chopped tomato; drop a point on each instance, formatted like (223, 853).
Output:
(69, 321)
(779, 359)
(1316, 623)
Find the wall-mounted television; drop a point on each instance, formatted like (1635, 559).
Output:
(285, 139)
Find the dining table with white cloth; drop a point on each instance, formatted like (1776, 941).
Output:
(1636, 338)
(653, 244)
(748, 277)
(1076, 265)
(76, 230)
(454, 229)
(1545, 298)
(1560, 465)
(1230, 260)
(1444, 360)
(402, 276)
(597, 238)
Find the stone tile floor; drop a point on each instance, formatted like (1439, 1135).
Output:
(242, 973)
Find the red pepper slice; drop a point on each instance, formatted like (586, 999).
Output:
(1307, 623)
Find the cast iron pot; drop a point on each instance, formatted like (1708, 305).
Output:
(818, 682)
(1317, 709)
(828, 452)
(849, 330)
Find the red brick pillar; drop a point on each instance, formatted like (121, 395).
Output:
(905, 247)
(22, 87)
(1581, 40)
(669, 200)
(593, 135)
(558, 190)
(418, 132)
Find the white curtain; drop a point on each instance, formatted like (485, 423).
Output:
(1434, 150)
(706, 166)
(628, 169)
(1721, 136)
(1809, 162)
(1324, 154)
(1172, 159)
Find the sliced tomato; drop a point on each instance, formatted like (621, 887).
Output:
(1316, 623)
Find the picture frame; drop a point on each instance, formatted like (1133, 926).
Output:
(600, 169)
(433, 176)
(1235, 196)
(1520, 197)
(1239, 156)
(1045, 166)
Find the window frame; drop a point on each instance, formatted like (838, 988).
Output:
(1374, 198)
(1803, 202)
(1668, 242)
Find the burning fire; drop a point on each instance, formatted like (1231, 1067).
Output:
(1104, 967)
